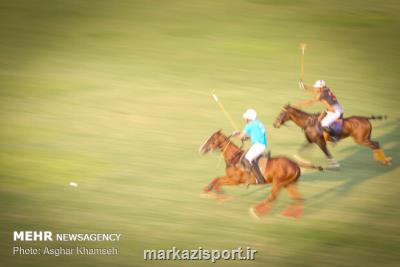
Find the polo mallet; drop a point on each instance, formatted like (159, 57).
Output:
(233, 124)
(225, 112)
(303, 47)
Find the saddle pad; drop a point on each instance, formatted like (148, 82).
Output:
(337, 127)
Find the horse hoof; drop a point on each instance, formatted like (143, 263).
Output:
(388, 161)
(260, 210)
(295, 211)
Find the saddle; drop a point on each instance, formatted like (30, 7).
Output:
(265, 155)
(261, 165)
(335, 128)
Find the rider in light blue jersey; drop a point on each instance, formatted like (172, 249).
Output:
(254, 130)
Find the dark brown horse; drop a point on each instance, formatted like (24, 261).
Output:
(357, 127)
(280, 171)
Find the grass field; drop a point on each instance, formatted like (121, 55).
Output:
(116, 96)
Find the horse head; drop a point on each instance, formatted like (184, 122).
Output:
(283, 116)
(216, 140)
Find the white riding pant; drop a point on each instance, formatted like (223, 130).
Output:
(331, 116)
(255, 150)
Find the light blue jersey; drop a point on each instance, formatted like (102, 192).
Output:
(256, 131)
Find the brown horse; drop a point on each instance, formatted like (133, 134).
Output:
(357, 127)
(280, 171)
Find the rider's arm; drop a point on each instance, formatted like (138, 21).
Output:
(309, 88)
(240, 135)
(243, 134)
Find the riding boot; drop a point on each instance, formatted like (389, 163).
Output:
(247, 167)
(256, 170)
(246, 164)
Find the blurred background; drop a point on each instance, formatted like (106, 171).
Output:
(116, 96)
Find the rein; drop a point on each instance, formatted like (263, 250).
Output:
(235, 157)
(296, 114)
(223, 151)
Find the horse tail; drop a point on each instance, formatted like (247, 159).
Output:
(380, 117)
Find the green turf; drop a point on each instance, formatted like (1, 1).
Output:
(116, 96)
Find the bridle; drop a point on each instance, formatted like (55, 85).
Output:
(282, 115)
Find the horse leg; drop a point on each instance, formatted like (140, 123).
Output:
(211, 185)
(207, 191)
(332, 161)
(225, 180)
(295, 209)
(379, 155)
(322, 145)
(264, 206)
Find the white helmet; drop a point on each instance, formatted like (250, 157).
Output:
(319, 84)
(250, 114)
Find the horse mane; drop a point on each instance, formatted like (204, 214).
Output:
(288, 106)
(311, 118)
